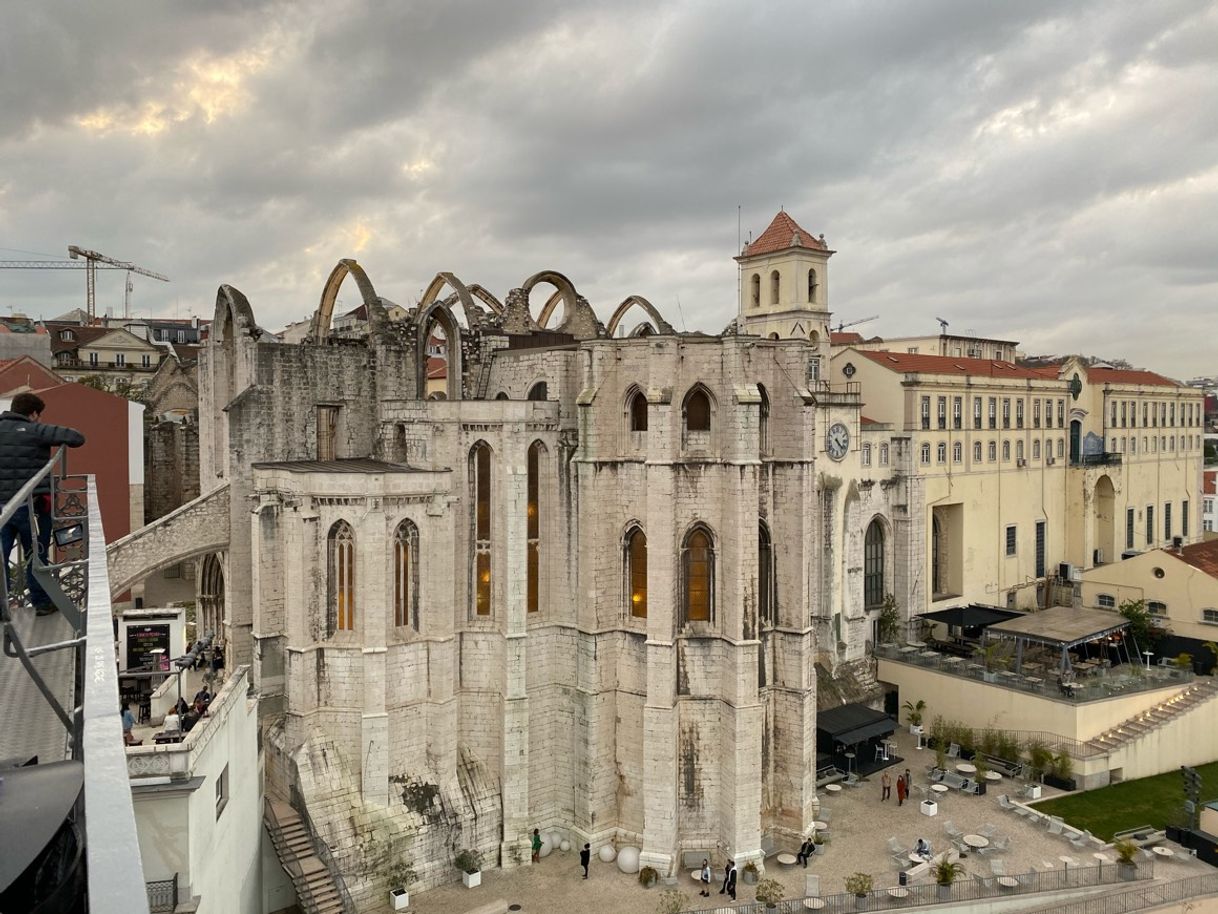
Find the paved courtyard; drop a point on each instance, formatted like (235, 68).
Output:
(860, 825)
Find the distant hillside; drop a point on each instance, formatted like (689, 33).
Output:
(1043, 361)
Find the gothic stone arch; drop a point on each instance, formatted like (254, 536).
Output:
(319, 330)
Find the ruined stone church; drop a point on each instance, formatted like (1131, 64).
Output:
(497, 570)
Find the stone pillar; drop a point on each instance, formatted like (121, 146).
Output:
(515, 848)
(374, 729)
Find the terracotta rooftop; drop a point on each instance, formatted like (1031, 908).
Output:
(784, 232)
(437, 368)
(1128, 376)
(81, 335)
(847, 338)
(913, 363)
(1202, 556)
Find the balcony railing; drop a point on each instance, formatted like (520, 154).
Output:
(80, 696)
(82, 365)
(1106, 459)
(1125, 679)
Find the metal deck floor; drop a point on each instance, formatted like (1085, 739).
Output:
(28, 726)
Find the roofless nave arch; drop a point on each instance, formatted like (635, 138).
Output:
(201, 528)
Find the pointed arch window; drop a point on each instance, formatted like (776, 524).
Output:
(636, 572)
(340, 551)
(697, 411)
(638, 412)
(533, 511)
(480, 489)
(406, 575)
(698, 576)
(766, 604)
(775, 287)
(763, 421)
(873, 566)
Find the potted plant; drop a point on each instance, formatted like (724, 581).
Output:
(770, 892)
(400, 875)
(945, 873)
(1039, 757)
(672, 901)
(648, 877)
(982, 768)
(913, 714)
(1061, 772)
(819, 840)
(469, 862)
(750, 873)
(1126, 852)
(941, 756)
(859, 885)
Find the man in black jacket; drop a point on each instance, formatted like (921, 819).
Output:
(25, 448)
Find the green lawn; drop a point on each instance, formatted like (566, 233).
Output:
(1147, 801)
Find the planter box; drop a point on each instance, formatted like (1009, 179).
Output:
(748, 877)
(944, 892)
(1033, 792)
(399, 899)
(472, 880)
(1060, 784)
(928, 808)
(1128, 872)
(915, 729)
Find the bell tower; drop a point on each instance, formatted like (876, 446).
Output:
(784, 284)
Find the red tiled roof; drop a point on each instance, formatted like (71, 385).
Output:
(437, 369)
(784, 232)
(913, 363)
(82, 335)
(846, 338)
(1127, 376)
(1202, 556)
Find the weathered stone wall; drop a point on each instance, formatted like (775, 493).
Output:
(171, 466)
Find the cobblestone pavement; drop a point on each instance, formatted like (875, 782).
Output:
(860, 826)
(27, 724)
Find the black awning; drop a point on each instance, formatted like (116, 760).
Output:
(972, 616)
(853, 724)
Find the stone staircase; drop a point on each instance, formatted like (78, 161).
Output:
(316, 889)
(1199, 692)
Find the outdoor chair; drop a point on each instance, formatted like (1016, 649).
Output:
(1055, 825)
(998, 868)
(987, 830)
(950, 827)
(1004, 801)
(879, 752)
(998, 845)
(1083, 840)
(895, 846)
(953, 751)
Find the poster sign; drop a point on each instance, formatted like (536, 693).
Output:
(142, 640)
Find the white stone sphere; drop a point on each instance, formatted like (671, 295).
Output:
(564, 845)
(546, 846)
(628, 859)
(555, 837)
(607, 853)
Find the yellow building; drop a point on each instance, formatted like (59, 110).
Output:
(1019, 476)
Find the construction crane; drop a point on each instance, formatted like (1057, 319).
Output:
(861, 320)
(92, 259)
(90, 262)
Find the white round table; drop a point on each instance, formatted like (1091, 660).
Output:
(1008, 882)
(813, 904)
(820, 826)
(966, 768)
(976, 841)
(1102, 858)
(786, 859)
(833, 788)
(993, 776)
(897, 892)
(940, 788)
(915, 857)
(1163, 851)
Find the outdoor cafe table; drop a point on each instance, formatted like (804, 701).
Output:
(897, 892)
(1162, 851)
(976, 841)
(993, 776)
(966, 768)
(940, 788)
(820, 826)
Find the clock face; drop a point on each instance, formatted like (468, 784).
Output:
(837, 443)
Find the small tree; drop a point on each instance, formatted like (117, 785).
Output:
(468, 861)
(946, 871)
(888, 626)
(1039, 756)
(859, 883)
(1212, 647)
(1126, 852)
(913, 712)
(770, 892)
(672, 901)
(1144, 628)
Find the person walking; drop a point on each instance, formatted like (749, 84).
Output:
(731, 881)
(885, 786)
(25, 448)
(536, 845)
(900, 790)
(585, 856)
(704, 877)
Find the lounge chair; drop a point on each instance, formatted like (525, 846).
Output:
(998, 868)
(987, 830)
(1004, 801)
(1084, 839)
(896, 847)
(1056, 825)
(950, 828)
(953, 751)
(998, 845)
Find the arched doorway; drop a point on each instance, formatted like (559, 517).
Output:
(1105, 510)
(209, 617)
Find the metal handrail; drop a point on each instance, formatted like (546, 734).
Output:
(1147, 896)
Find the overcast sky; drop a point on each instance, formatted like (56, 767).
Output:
(1039, 171)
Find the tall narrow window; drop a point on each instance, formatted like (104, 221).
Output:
(926, 413)
(1167, 521)
(942, 405)
(755, 295)
(1019, 413)
(697, 411)
(406, 575)
(775, 282)
(763, 420)
(811, 285)
(1040, 548)
(873, 566)
(1184, 519)
(957, 412)
(480, 468)
(1129, 525)
(976, 412)
(636, 572)
(533, 512)
(765, 576)
(638, 412)
(327, 432)
(937, 577)
(341, 555)
(1150, 525)
(699, 568)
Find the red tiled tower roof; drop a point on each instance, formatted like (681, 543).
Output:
(1129, 376)
(784, 232)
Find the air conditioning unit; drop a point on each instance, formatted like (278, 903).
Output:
(1066, 572)
(1097, 557)
(1021, 462)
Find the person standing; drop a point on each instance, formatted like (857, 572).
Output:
(25, 448)
(900, 790)
(731, 880)
(536, 845)
(885, 786)
(704, 877)
(727, 874)
(585, 856)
